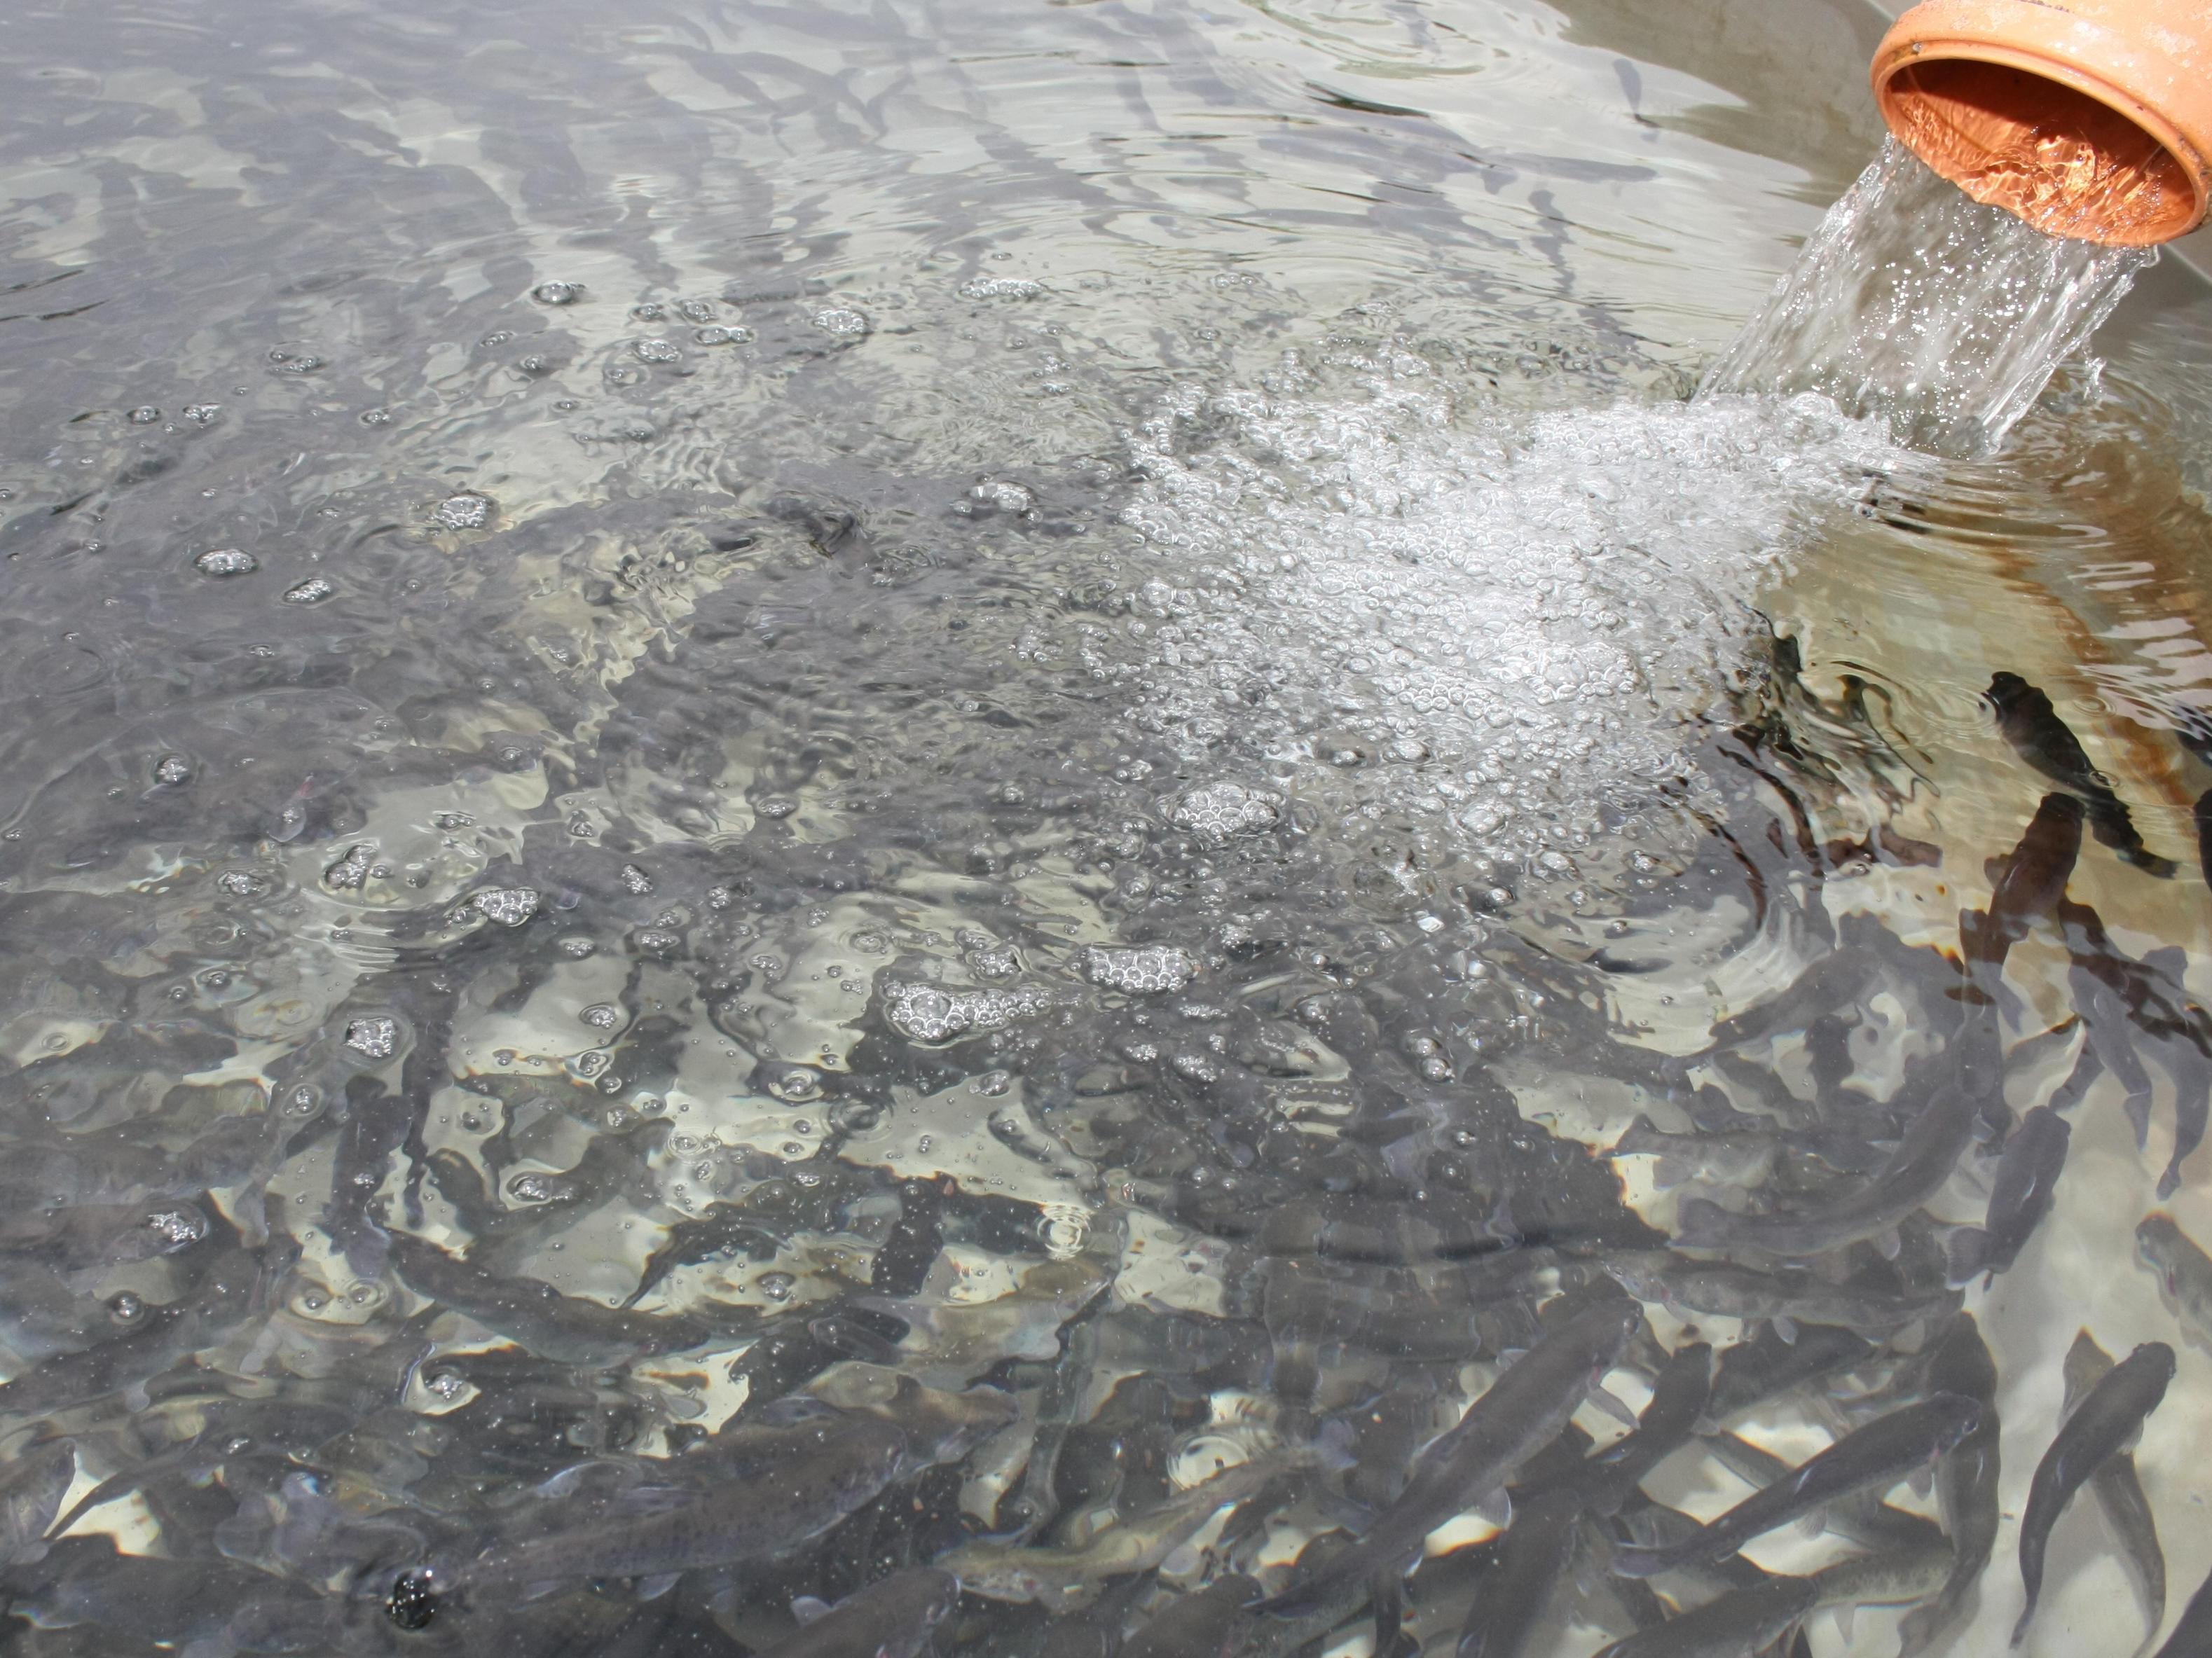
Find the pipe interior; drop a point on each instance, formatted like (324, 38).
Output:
(2059, 158)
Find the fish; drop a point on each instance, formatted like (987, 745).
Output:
(1062, 1580)
(1873, 1457)
(1202, 1625)
(1915, 1172)
(1892, 1577)
(2106, 1419)
(1752, 1372)
(2118, 1490)
(2019, 1196)
(567, 1329)
(1959, 1361)
(1862, 1518)
(1680, 1395)
(1518, 1582)
(2201, 814)
(2192, 1630)
(1738, 1625)
(892, 1618)
(2028, 722)
(1741, 1158)
(1677, 1282)
(1522, 1412)
(2028, 883)
(2183, 1270)
(827, 1466)
(32, 1487)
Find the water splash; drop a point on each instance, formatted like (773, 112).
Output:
(1917, 304)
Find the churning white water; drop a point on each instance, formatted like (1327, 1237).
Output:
(1916, 303)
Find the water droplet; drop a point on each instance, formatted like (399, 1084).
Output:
(172, 769)
(557, 293)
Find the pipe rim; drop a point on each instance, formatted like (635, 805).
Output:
(1891, 70)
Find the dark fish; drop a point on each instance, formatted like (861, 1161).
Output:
(1752, 1372)
(1680, 1395)
(1517, 1583)
(1959, 1363)
(1738, 1625)
(2184, 1272)
(916, 1238)
(565, 1328)
(2029, 881)
(1524, 1410)
(2192, 1632)
(2203, 816)
(32, 1487)
(2037, 734)
(1204, 1625)
(2104, 1421)
(2119, 1490)
(1863, 1518)
(892, 1618)
(829, 1469)
(2021, 1195)
(1719, 1289)
(1877, 1456)
(1914, 1173)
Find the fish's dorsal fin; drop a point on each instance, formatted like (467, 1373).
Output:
(808, 1607)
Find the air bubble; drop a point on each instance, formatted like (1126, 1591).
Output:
(313, 590)
(226, 560)
(557, 293)
(466, 511)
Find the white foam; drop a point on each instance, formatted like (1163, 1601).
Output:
(1530, 604)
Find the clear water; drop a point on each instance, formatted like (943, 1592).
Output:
(1019, 726)
(1917, 305)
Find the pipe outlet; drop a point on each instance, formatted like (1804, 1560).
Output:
(2089, 119)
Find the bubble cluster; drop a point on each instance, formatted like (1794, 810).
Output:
(508, 906)
(840, 321)
(928, 1013)
(1000, 287)
(374, 1038)
(466, 511)
(313, 590)
(1522, 611)
(1145, 971)
(1217, 813)
(226, 560)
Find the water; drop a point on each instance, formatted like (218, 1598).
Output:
(793, 797)
(1917, 305)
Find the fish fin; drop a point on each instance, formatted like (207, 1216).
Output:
(1701, 1222)
(1633, 1138)
(652, 1589)
(1965, 1252)
(539, 1591)
(1846, 1615)
(808, 1607)
(1634, 1560)
(1613, 1405)
(1786, 1327)
(1814, 1522)
(1495, 1507)
(1922, 1479)
(2170, 1181)
(1889, 1243)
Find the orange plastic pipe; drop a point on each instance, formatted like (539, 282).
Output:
(2090, 118)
